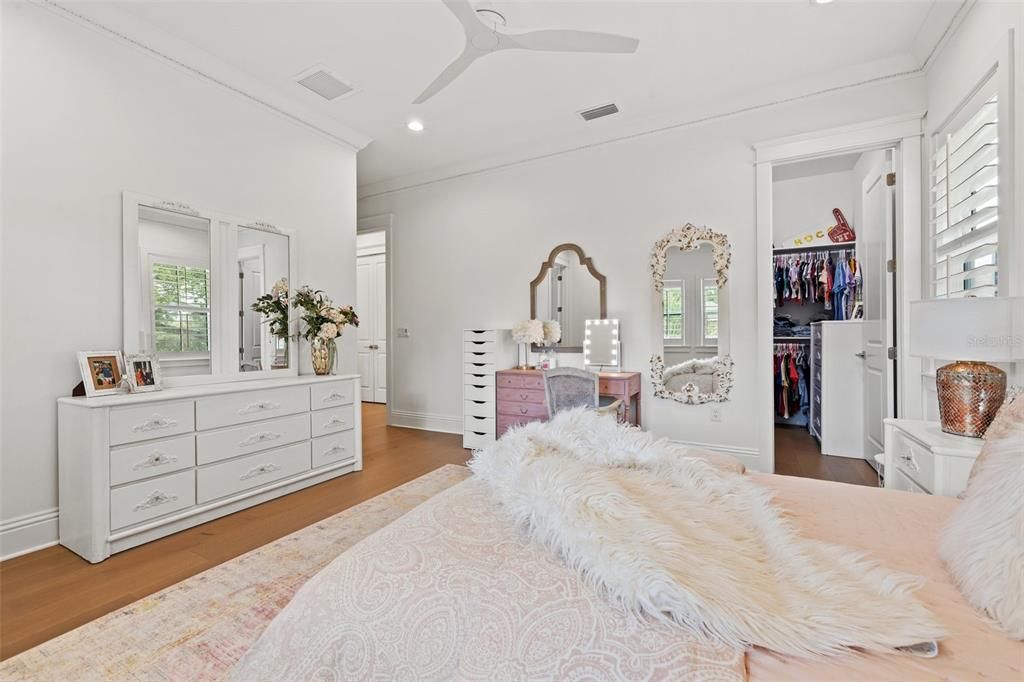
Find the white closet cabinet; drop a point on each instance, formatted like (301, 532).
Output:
(134, 468)
(484, 352)
(837, 388)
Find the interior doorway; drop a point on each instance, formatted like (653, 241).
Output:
(833, 227)
(371, 304)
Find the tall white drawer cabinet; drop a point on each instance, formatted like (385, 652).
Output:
(837, 388)
(134, 468)
(921, 458)
(484, 352)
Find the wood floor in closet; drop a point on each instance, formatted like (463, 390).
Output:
(797, 454)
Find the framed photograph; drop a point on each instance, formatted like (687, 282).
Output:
(101, 371)
(143, 371)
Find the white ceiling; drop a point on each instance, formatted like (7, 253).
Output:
(693, 57)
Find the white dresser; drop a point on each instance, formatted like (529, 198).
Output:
(484, 352)
(837, 388)
(133, 468)
(921, 458)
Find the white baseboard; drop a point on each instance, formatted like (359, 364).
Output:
(28, 533)
(752, 454)
(426, 422)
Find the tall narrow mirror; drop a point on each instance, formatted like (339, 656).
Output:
(174, 314)
(569, 290)
(262, 272)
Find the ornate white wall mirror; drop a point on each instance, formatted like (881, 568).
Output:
(190, 279)
(690, 271)
(601, 343)
(569, 290)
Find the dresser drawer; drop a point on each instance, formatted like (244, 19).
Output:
(479, 424)
(480, 393)
(479, 335)
(479, 408)
(479, 346)
(505, 422)
(534, 381)
(479, 379)
(914, 460)
(333, 394)
(523, 395)
(154, 458)
(226, 478)
(472, 367)
(132, 424)
(900, 481)
(214, 446)
(480, 356)
(518, 409)
(229, 410)
(333, 420)
(147, 500)
(338, 447)
(477, 441)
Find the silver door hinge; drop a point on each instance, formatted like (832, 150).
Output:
(891, 352)
(890, 179)
(890, 265)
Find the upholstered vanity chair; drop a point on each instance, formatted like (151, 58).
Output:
(568, 387)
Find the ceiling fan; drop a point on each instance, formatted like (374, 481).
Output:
(483, 38)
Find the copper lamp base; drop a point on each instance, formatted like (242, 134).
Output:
(970, 394)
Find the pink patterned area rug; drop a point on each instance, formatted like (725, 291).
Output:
(199, 628)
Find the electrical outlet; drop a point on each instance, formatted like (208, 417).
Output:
(403, 332)
(716, 414)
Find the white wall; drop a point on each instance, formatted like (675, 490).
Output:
(805, 204)
(465, 249)
(86, 117)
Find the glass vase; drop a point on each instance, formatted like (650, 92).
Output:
(324, 352)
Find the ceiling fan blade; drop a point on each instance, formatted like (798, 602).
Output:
(450, 73)
(571, 41)
(466, 15)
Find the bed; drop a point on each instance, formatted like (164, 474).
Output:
(453, 591)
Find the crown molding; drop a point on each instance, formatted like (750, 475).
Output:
(141, 35)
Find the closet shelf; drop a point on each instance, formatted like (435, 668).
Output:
(819, 247)
(789, 339)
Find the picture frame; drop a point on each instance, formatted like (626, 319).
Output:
(102, 372)
(143, 371)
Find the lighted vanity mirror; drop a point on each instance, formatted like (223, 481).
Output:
(601, 343)
(569, 290)
(190, 278)
(690, 267)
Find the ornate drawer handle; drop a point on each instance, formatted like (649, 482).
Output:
(155, 460)
(155, 423)
(155, 499)
(524, 396)
(260, 437)
(910, 462)
(258, 471)
(523, 410)
(258, 406)
(335, 448)
(334, 397)
(334, 421)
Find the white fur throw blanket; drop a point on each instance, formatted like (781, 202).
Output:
(679, 539)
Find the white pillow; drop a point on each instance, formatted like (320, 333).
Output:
(983, 544)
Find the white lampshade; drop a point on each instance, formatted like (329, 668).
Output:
(978, 329)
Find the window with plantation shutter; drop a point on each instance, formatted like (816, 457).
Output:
(965, 207)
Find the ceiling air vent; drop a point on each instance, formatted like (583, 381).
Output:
(324, 84)
(598, 112)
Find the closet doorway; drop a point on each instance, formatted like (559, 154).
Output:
(371, 306)
(834, 315)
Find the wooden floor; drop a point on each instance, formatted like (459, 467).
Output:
(51, 591)
(798, 454)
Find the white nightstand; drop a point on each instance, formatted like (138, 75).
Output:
(921, 458)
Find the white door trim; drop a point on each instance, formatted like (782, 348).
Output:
(383, 223)
(905, 132)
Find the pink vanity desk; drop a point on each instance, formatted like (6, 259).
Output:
(521, 397)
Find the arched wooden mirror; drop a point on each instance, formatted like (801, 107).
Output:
(569, 290)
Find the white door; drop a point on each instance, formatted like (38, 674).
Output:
(875, 238)
(371, 296)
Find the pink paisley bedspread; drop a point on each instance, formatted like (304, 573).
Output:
(453, 591)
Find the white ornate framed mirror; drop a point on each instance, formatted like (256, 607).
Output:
(690, 272)
(190, 278)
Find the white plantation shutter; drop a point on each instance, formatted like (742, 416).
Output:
(965, 207)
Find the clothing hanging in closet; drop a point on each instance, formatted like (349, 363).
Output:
(832, 278)
(792, 384)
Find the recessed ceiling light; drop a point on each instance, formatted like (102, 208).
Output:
(415, 125)
(820, 2)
